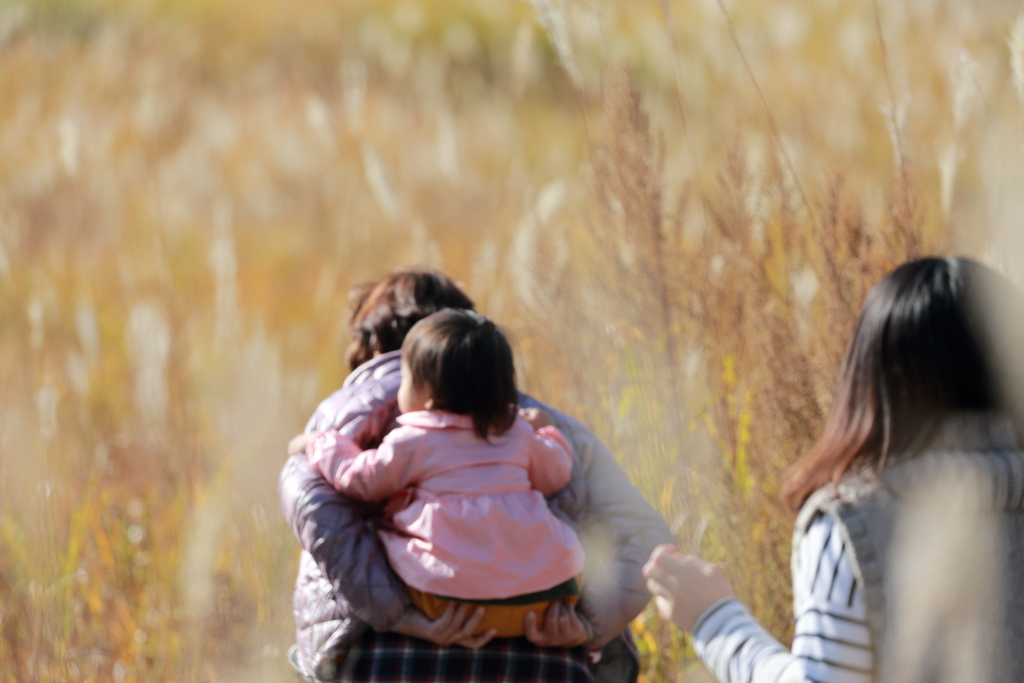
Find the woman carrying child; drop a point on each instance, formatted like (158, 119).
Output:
(908, 554)
(346, 583)
(466, 477)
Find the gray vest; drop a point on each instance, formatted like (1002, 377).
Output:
(937, 545)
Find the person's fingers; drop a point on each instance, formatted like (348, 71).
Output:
(568, 628)
(578, 630)
(530, 629)
(672, 582)
(563, 627)
(550, 628)
(446, 624)
(689, 569)
(657, 558)
(477, 642)
(469, 625)
(668, 558)
(662, 551)
(460, 614)
(665, 606)
(656, 589)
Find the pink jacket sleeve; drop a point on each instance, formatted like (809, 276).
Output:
(370, 475)
(550, 461)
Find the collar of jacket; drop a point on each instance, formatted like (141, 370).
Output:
(375, 368)
(435, 419)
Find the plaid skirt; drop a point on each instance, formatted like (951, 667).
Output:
(394, 658)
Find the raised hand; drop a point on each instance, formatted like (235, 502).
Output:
(684, 586)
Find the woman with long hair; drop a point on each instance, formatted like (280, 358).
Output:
(918, 462)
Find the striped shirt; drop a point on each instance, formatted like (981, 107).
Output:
(832, 642)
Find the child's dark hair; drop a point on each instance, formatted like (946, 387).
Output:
(383, 312)
(466, 363)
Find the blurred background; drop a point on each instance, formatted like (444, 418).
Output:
(677, 208)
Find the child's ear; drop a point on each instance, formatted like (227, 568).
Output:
(429, 405)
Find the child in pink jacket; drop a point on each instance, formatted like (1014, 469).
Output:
(466, 478)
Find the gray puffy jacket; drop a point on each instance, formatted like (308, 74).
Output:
(345, 582)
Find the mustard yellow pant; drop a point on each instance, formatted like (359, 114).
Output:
(507, 619)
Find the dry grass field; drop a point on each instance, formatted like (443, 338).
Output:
(677, 207)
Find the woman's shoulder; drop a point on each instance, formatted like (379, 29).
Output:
(854, 489)
(370, 388)
(377, 369)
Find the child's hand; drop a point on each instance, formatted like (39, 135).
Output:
(684, 586)
(562, 627)
(298, 444)
(537, 418)
(454, 627)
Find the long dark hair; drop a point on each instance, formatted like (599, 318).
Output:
(935, 336)
(466, 363)
(383, 312)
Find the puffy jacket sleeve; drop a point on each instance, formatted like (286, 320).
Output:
(550, 460)
(344, 544)
(364, 417)
(619, 530)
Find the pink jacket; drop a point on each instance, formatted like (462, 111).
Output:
(473, 523)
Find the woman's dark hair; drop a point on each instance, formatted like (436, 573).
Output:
(466, 363)
(382, 313)
(933, 338)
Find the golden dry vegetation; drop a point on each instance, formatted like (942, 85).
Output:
(676, 206)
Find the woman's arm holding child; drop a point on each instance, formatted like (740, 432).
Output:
(618, 527)
(343, 544)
